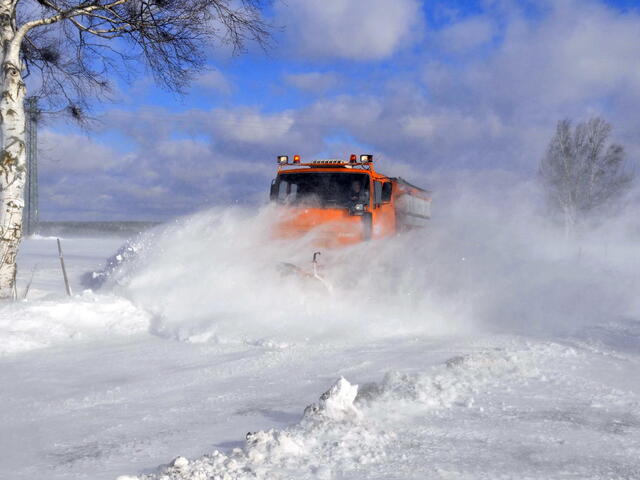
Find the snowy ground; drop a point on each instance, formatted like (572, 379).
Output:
(489, 355)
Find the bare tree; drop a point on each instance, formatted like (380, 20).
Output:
(581, 172)
(69, 49)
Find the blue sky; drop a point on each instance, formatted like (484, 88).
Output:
(427, 87)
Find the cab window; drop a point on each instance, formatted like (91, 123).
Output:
(386, 192)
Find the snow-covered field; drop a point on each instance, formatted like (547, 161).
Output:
(487, 347)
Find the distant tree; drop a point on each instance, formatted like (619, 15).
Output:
(582, 173)
(71, 48)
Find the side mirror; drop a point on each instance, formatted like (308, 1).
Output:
(273, 194)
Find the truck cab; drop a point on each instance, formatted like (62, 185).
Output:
(341, 202)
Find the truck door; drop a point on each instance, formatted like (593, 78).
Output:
(384, 219)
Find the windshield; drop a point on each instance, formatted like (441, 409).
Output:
(322, 189)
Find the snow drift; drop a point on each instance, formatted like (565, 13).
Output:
(30, 325)
(354, 432)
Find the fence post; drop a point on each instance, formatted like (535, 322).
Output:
(64, 270)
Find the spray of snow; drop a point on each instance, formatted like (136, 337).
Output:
(215, 276)
(488, 262)
(484, 264)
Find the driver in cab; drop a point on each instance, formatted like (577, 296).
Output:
(358, 194)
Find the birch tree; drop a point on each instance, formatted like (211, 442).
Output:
(67, 50)
(582, 173)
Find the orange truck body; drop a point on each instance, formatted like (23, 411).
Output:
(318, 198)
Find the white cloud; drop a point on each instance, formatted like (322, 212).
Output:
(451, 124)
(71, 153)
(579, 59)
(249, 126)
(163, 178)
(467, 34)
(491, 109)
(313, 82)
(581, 51)
(349, 29)
(214, 80)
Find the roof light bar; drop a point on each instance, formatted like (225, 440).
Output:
(352, 158)
(296, 159)
(328, 162)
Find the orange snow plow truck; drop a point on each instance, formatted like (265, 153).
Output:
(344, 202)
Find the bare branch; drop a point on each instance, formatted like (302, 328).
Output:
(85, 43)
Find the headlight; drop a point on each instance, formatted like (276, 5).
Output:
(359, 207)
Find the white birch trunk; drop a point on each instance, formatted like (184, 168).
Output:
(13, 168)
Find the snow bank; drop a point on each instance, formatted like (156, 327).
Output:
(347, 431)
(31, 325)
(330, 435)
